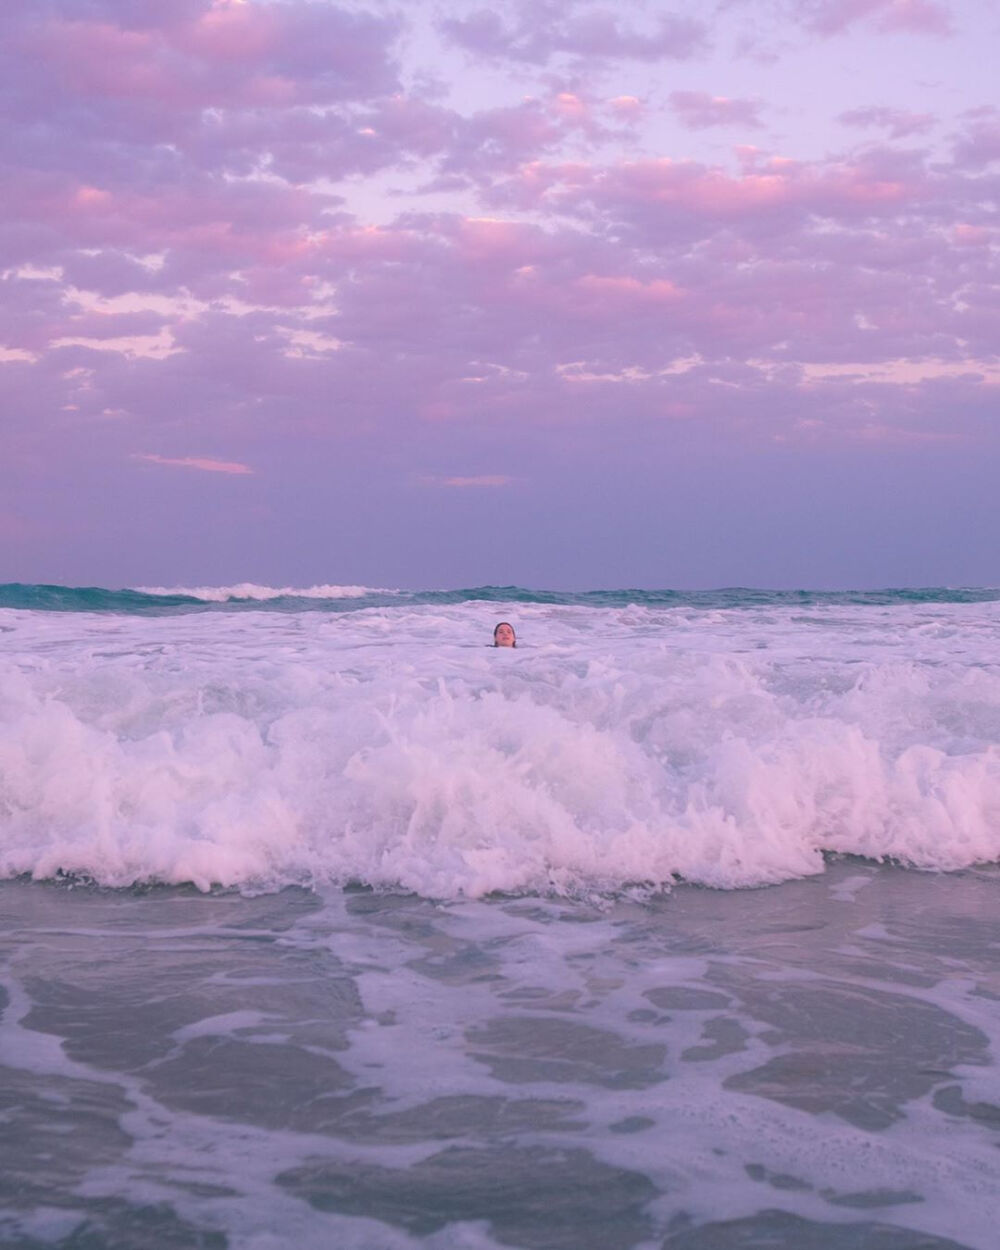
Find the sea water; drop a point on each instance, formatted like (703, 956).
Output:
(326, 923)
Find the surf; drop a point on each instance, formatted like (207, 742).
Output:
(621, 747)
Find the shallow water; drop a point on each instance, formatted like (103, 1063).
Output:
(811, 1065)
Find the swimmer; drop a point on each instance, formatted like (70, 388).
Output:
(504, 636)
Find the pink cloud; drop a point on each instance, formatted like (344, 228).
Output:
(260, 54)
(96, 324)
(498, 140)
(699, 110)
(689, 191)
(571, 107)
(627, 107)
(972, 236)
(444, 289)
(486, 481)
(231, 32)
(16, 355)
(197, 462)
(920, 16)
(222, 224)
(513, 244)
(629, 289)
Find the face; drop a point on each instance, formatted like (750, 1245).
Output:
(504, 635)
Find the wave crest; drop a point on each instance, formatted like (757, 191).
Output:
(250, 590)
(534, 771)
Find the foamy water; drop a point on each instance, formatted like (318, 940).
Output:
(810, 1067)
(619, 747)
(250, 590)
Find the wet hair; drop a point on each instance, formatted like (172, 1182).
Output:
(509, 626)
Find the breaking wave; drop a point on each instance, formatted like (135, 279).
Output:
(616, 748)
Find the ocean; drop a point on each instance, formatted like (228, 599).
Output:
(326, 923)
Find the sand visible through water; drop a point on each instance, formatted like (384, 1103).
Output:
(810, 1066)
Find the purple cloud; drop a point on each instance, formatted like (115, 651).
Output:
(979, 143)
(542, 30)
(899, 123)
(833, 17)
(699, 110)
(481, 481)
(212, 55)
(201, 464)
(238, 238)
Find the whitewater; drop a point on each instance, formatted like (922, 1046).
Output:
(259, 737)
(323, 922)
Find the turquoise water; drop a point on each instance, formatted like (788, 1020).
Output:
(326, 599)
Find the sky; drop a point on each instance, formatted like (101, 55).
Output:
(555, 293)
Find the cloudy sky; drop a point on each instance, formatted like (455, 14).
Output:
(555, 293)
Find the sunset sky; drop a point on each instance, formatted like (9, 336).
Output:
(560, 294)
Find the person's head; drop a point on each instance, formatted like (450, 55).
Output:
(504, 636)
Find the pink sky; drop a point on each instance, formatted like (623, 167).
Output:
(568, 294)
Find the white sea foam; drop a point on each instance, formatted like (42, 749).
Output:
(249, 590)
(614, 746)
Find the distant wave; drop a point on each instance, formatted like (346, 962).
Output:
(162, 600)
(251, 591)
(249, 596)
